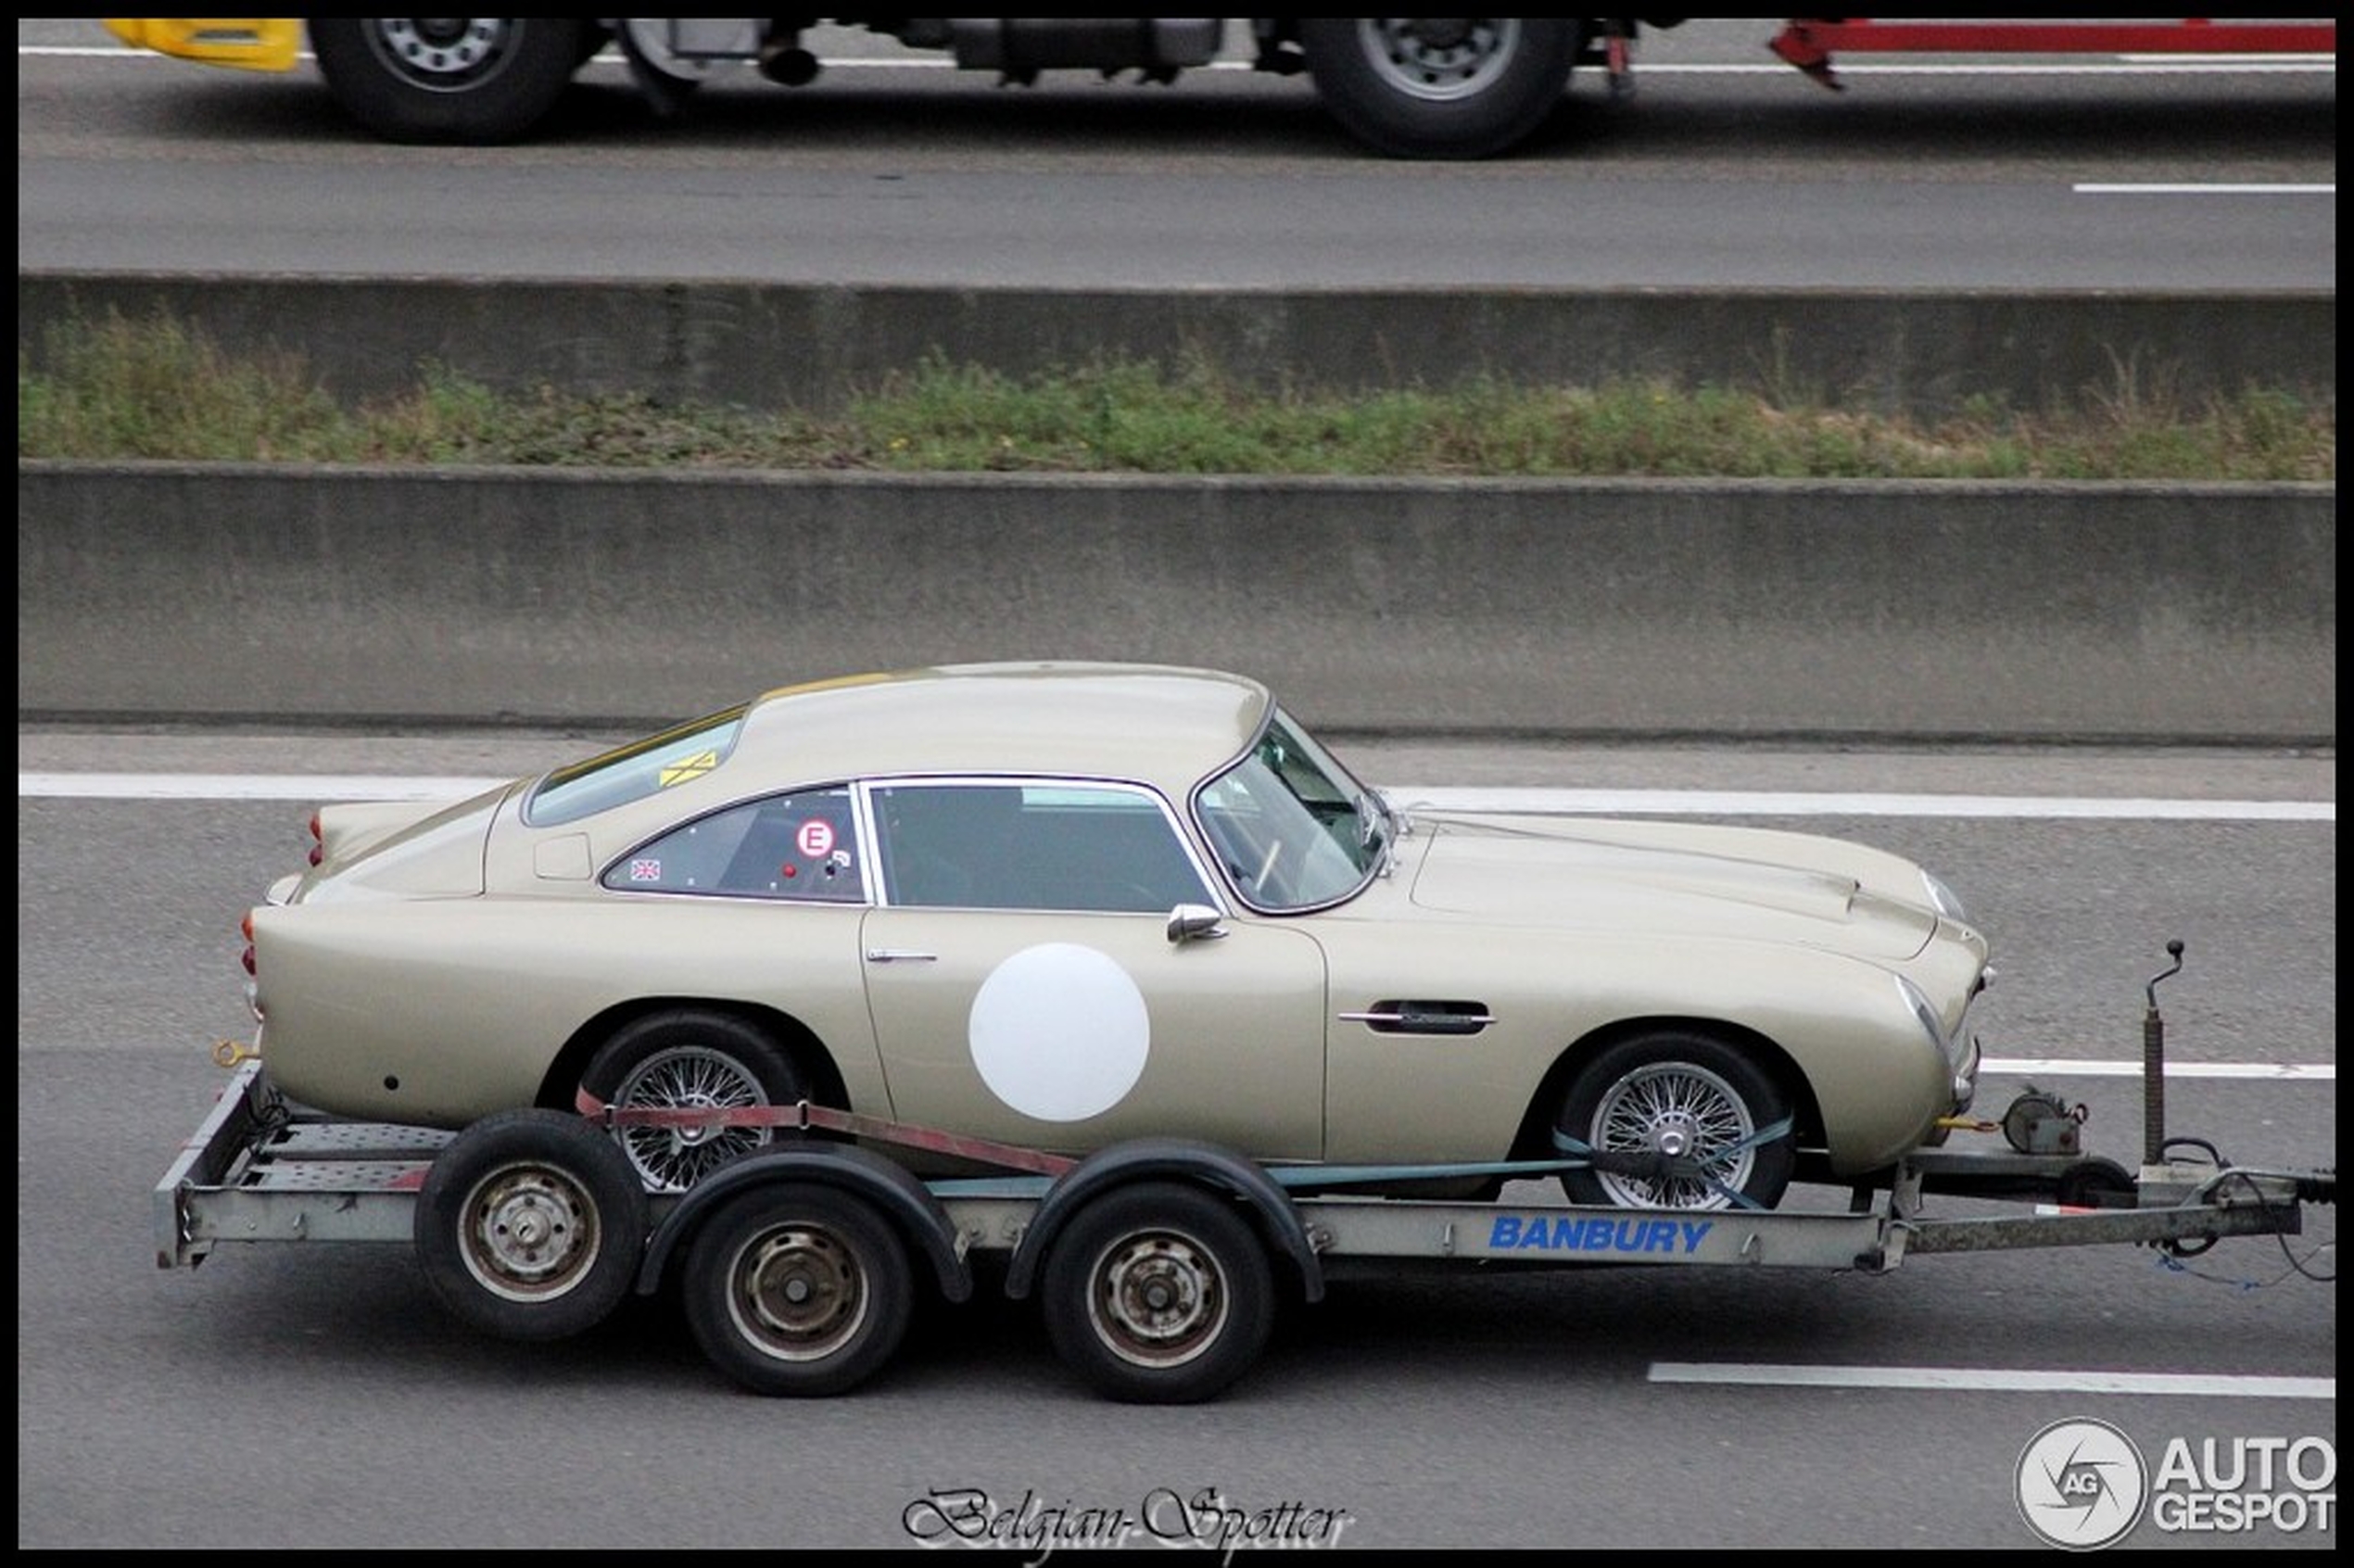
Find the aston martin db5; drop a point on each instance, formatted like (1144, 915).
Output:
(1062, 905)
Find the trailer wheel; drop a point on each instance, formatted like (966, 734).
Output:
(1439, 87)
(2096, 1184)
(1159, 1293)
(466, 80)
(1684, 1096)
(798, 1290)
(529, 1225)
(690, 1059)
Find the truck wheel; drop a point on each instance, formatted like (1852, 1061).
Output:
(469, 80)
(1158, 1293)
(1684, 1095)
(798, 1290)
(1443, 86)
(529, 1225)
(690, 1059)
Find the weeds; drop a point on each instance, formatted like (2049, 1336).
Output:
(115, 390)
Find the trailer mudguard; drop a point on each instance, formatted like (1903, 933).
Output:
(1187, 1160)
(902, 1199)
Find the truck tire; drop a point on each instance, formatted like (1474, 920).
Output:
(530, 1225)
(798, 1290)
(1446, 87)
(464, 80)
(1159, 1293)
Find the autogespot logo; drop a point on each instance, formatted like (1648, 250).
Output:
(2081, 1484)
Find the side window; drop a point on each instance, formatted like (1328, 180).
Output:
(1089, 847)
(800, 846)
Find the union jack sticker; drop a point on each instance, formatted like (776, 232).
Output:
(645, 870)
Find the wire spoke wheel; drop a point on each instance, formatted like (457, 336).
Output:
(1684, 1112)
(1682, 1096)
(689, 1077)
(691, 1058)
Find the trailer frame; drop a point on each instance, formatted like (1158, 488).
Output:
(258, 1169)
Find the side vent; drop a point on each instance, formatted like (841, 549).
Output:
(1423, 1017)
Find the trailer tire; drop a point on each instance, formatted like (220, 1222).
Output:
(798, 1290)
(470, 81)
(691, 1058)
(1676, 1092)
(530, 1224)
(1159, 1293)
(1453, 88)
(2095, 1184)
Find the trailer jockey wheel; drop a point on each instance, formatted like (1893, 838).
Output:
(530, 1225)
(2096, 1184)
(1160, 1292)
(798, 1289)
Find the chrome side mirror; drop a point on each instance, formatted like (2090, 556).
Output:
(1195, 922)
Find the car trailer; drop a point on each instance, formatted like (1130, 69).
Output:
(1158, 1262)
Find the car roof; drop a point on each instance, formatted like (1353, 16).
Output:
(1161, 724)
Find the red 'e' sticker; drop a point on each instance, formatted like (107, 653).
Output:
(815, 838)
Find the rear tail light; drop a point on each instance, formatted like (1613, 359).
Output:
(244, 929)
(318, 840)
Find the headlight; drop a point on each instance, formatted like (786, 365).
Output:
(1941, 898)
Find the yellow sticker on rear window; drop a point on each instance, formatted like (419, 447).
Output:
(687, 768)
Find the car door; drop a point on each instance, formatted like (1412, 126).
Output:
(1024, 986)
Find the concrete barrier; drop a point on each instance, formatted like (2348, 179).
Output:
(1921, 352)
(1575, 609)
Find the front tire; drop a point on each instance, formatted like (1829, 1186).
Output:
(530, 1225)
(1158, 1293)
(1447, 87)
(798, 1290)
(1687, 1097)
(689, 1058)
(464, 80)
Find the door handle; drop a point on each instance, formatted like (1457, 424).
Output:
(899, 955)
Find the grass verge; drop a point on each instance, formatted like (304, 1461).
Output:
(114, 390)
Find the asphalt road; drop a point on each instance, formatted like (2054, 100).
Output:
(1725, 169)
(316, 1396)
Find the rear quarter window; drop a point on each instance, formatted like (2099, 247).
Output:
(633, 772)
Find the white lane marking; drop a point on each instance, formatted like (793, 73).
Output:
(2210, 189)
(2063, 1066)
(2121, 64)
(1975, 1380)
(1059, 1031)
(250, 786)
(1530, 802)
(1728, 803)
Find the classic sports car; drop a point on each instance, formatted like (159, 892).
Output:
(1062, 905)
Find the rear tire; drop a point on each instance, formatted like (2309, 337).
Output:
(467, 80)
(530, 1225)
(1448, 87)
(691, 1058)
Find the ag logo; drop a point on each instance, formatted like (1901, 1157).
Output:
(2081, 1484)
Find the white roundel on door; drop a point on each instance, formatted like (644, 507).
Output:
(1059, 1032)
